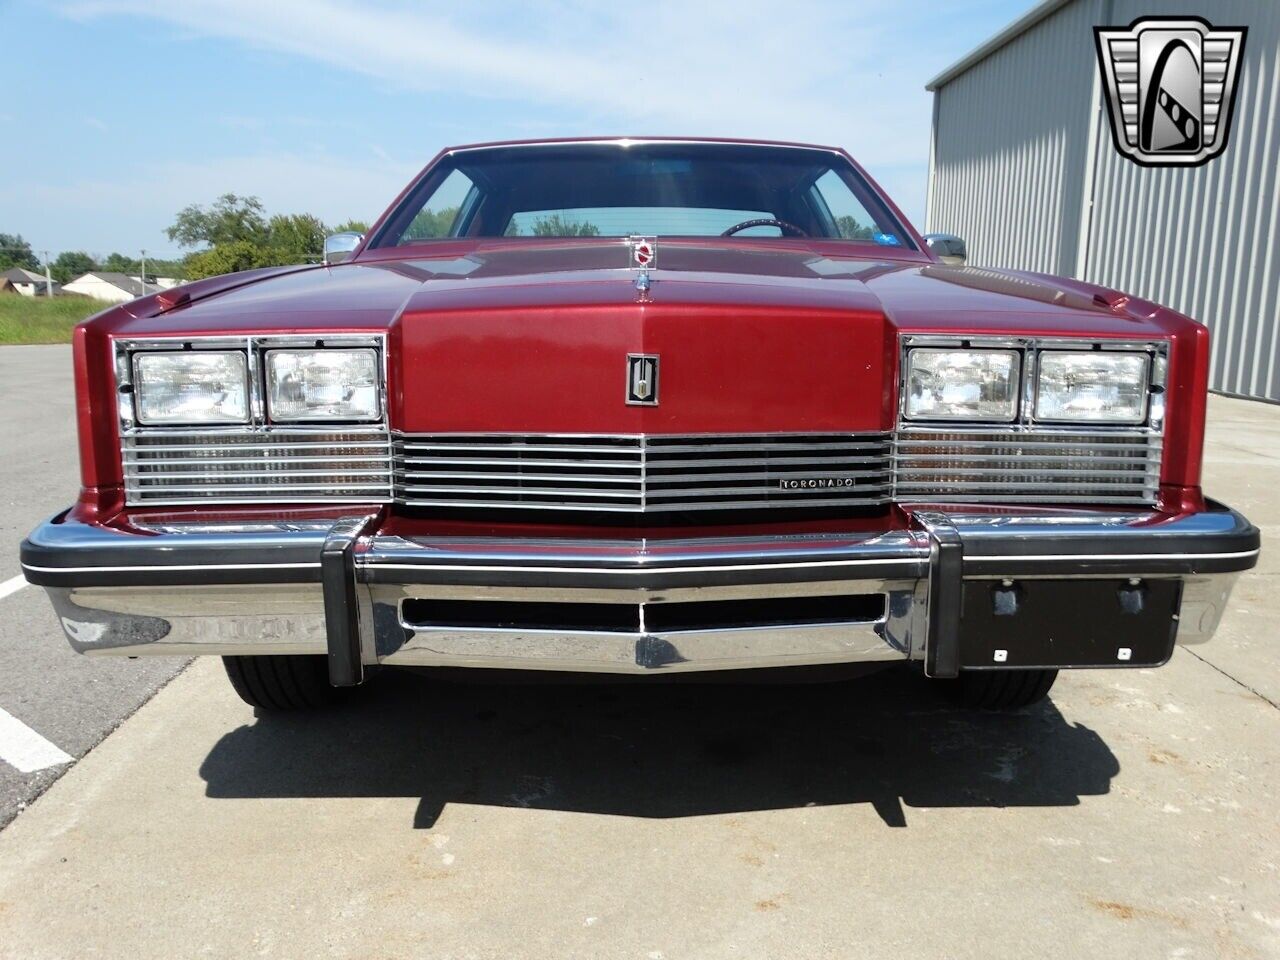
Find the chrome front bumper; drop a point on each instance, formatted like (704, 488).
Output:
(346, 590)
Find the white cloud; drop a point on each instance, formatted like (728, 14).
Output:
(848, 72)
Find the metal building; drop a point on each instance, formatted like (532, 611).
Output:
(1023, 166)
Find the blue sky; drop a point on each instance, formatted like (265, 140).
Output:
(125, 111)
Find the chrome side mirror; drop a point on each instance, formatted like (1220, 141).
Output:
(947, 247)
(339, 246)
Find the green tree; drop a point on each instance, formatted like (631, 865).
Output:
(555, 226)
(295, 237)
(429, 224)
(119, 263)
(234, 233)
(351, 226)
(851, 229)
(71, 264)
(226, 258)
(16, 252)
(166, 268)
(229, 219)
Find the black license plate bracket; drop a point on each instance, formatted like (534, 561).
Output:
(1068, 623)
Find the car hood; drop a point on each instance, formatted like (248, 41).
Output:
(533, 337)
(503, 275)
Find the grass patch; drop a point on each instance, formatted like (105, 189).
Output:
(43, 319)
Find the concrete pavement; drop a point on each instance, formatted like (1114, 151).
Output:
(66, 700)
(1133, 816)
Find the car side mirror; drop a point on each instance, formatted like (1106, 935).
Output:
(947, 247)
(340, 245)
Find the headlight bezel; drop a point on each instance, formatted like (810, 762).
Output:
(1030, 350)
(1015, 377)
(254, 348)
(373, 416)
(140, 359)
(1144, 405)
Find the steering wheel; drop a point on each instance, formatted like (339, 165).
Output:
(782, 225)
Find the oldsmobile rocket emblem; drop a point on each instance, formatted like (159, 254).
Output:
(1170, 88)
(642, 379)
(644, 252)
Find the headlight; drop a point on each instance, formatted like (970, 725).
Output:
(323, 385)
(194, 386)
(962, 384)
(1092, 387)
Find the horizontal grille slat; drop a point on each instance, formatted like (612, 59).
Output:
(1045, 466)
(641, 474)
(166, 467)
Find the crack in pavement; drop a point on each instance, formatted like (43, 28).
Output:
(1235, 680)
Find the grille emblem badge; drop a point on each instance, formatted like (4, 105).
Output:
(642, 379)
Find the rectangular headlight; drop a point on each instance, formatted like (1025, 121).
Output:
(945, 384)
(191, 387)
(1092, 387)
(323, 385)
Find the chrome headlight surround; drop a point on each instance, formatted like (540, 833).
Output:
(989, 395)
(1075, 386)
(1153, 354)
(301, 388)
(191, 388)
(254, 350)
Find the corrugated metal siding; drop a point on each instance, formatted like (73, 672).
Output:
(1010, 144)
(1203, 241)
(1012, 173)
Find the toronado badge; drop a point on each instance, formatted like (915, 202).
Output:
(1170, 88)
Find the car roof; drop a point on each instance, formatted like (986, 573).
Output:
(563, 141)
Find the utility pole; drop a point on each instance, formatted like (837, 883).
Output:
(48, 277)
(143, 278)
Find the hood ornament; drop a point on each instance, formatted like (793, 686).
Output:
(644, 254)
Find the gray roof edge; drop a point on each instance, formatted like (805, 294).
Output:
(1020, 26)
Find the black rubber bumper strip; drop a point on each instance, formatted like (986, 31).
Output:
(341, 607)
(1231, 546)
(946, 593)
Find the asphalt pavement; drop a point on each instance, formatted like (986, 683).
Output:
(1132, 815)
(58, 705)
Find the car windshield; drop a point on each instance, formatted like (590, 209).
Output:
(644, 189)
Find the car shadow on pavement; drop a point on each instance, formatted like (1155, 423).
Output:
(664, 750)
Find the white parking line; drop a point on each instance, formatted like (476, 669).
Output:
(12, 585)
(22, 747)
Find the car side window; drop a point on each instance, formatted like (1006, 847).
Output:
(445, 209)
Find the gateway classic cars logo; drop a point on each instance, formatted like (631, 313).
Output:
(1171, 87)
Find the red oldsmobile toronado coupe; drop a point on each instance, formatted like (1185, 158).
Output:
(645, 407)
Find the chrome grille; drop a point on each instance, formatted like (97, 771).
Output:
(642, 474)
(1048, 466)
(260, 466)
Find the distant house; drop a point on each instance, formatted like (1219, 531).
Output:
(6, 286)
(111, 287)
(28, 282)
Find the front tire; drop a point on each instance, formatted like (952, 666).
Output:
(283, 683)
(1000, 689)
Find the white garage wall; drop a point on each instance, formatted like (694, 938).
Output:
(1024, 168)
(1009, 145)
(1204, 240)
